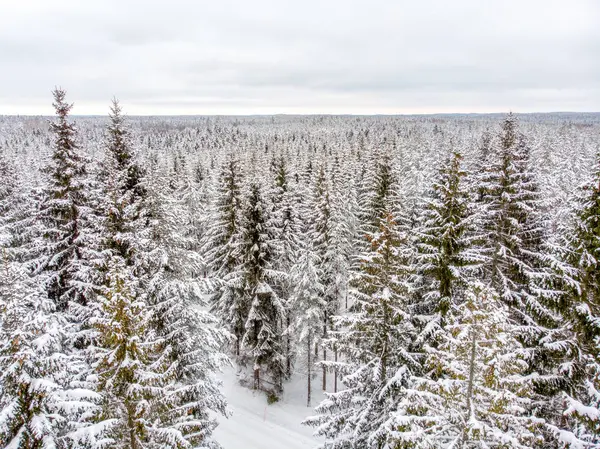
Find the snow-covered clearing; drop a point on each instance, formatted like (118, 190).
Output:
(257, 425)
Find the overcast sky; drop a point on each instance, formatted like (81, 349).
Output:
(305, 56)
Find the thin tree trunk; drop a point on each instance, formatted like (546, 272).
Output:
(471, 373)
(325, 357)
(470, 384)
(288, 350)
(308, 362)
(256, 378)
(335, 372)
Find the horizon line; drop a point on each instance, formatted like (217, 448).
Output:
(324, 114)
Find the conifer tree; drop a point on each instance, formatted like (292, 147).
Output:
(511, 222)
(60, 250)
(190, 339)
(123, 190)
(219, 249)
(383, 191)
(263, 311)
(131, 368)
(446, 256)
(580, 278)
(321, 233)
(7, 195)
(39, 405)
(373, 341)
(517, 267)
(473, 393)
(285, 221)
(308, 304)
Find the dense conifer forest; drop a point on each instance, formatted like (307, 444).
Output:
(434, 280)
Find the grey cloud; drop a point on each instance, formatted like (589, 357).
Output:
(335, 56)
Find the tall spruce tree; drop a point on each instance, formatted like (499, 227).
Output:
(308, 305)
(189, 338)
(131, 368)
(285, 219)
(60, 250)
(373, 341)
(265, 314)
(446, 255)
(511, 222)
(474, 392)
(122, 192)
(219, 249)
(40, 406)
(580, 277)
(319, 215)
(517, 267)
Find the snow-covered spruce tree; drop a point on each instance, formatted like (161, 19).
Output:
(263, 340)
(286, 222)
(60, 251)
(191, 338)
(446, 257)
(343, 246)
(384, 184)
(122, 193)
(219, 250)
(516, 266)
(473, 392)
(373, 341)
(308, 305)
(197, 197)
(580, 305)
(481, 167)
(131, 367)
(511, 222)
(9, 207)
(143, 231)
(319, 217)
(7, 174)
(38, 405)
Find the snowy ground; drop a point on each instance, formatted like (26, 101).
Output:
(257, 425)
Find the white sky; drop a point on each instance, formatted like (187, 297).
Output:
(309, 56)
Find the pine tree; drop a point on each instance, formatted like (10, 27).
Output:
(473, 393)
(373, 341)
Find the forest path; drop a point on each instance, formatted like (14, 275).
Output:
(256, 425)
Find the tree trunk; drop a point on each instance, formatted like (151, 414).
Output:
(471, 373)
(256, 378)
(470, 384)
(335, 372)
(325, 357)
(288, 360)
(309, 365)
